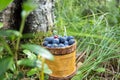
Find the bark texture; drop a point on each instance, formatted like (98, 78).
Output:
(43, 17)
(39, 20)
(12, 15)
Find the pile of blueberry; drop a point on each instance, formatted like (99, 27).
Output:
(58, 41)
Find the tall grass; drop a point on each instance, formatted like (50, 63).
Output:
(95, 25)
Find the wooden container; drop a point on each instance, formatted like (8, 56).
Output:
(63, 67)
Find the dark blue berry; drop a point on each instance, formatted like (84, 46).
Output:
(58, 41)
(65, 37)
(62, 39)
(66, 43)
(46, 39)
(54, 45)
(55, 41)
(45, 43)
(49, 39)
(71, 41)
(61, 45)
(49, 45)
(70, 37)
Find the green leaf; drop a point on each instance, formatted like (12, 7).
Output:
(29, 54)
(78, 76)
(28, 7)
(38, 50)
(26, 62)
(2, 77)
(9, 33)
(4, 4)
(13, 67)
(38, 64)
(100, 70)
(28, 35)
(20, 75)
(5, 64)
(32, 72)
(46, 68)
(1, 48)
(6, 45)
(1, 25)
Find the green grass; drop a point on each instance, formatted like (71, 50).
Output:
(95, 25)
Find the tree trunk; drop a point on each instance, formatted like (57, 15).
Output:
(42, 18)
(39, 20)
(12, 15)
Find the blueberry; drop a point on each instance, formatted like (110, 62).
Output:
(65, 37)
(49, 39)
(61, 45)
(46, 39)
(71, 41)
(70, 37)
(66, 43)
(55, 41)
(54, 45)
(45, 43)
(49, 45)
(62, 39)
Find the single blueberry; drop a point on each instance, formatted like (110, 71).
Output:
(71, 41)
(49, 39)
(61, 45)
(49, 45)
(65, 37)
(55, 41)
(46, 39)
(45, 43)
(54, 45)
(62, 39)
(66, 43)
(70, 37)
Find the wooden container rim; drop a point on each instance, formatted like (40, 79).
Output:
(63, 51)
